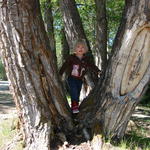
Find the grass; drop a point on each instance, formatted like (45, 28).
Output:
(7, 132)
(136, 140)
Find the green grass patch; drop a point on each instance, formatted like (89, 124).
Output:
(8, 132)
(137, 139)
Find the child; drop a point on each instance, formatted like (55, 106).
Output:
(76, 66)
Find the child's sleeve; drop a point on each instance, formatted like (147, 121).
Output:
(64, 66)
(92, 67)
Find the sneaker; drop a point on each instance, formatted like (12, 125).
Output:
(75, 107)
(75, 111)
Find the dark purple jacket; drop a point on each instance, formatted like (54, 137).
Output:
(77, 68)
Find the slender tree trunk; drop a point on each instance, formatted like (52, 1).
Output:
(126, 79)
(72, 22)
(48, 20)
(101, 35)
(32, 73)
(65, 46)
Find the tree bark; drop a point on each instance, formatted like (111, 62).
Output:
(109, 107)
(48, 21)
(128, 73)
(32, 73)
(72, 22)
(35, 85)
(101, 35)
(65, 46)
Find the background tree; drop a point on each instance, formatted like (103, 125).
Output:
(101, 34)
(72, 22)
(48, 21)
(65, 46)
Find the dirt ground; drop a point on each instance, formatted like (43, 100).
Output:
(141, 117)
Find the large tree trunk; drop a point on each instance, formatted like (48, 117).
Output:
(32, 73)
(101, 35)
(110, 106)
(128, 73)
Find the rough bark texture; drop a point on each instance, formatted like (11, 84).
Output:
(126, 79)
(34, 82)
(101, 34)
(32, 73)
(65, 46)
(72, 22)
(128, 72)
(48, 20)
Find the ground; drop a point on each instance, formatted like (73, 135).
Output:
(138, 131)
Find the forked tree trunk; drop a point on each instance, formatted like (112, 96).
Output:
(35, 85)
(127, 76)
(32, 73)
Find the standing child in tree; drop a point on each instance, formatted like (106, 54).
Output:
(76, 66)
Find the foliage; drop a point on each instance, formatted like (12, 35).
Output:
(114, 14)
(57, 22)
(87, 13)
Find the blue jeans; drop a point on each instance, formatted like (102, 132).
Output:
(74, 88)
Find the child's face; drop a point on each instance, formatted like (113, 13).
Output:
(80, 49)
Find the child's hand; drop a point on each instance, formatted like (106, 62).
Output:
(99, 73)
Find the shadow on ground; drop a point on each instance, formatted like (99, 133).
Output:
(6, 102)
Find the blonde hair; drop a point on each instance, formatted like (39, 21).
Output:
(78, 42)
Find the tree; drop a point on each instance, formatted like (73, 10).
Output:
(101, 34)
(65, 46)
(127, 74)
(48, 20)
(30, 68)
(40, 101)
(72, 22)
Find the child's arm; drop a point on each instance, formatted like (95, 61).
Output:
(64, 66)
(94, 69)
